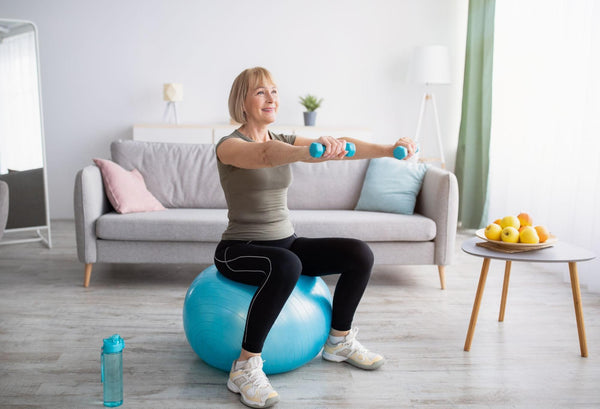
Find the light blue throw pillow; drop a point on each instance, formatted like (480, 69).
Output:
(391, 186)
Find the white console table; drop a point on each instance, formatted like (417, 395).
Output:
(212, 133)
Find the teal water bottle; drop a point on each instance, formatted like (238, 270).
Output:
(112, 370)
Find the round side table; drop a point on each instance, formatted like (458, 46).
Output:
(560, 252)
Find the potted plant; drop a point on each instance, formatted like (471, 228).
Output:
(310, 103)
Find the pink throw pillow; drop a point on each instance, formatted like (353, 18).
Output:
(126, 190)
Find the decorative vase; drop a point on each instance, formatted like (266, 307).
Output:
(310, 118)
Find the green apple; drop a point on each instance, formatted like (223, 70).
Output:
(510, 235)
(510, 221)
(493, 231)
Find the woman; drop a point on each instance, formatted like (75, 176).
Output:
(259, 246)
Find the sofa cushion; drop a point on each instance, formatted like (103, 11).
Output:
(391, 186)
(179, 175)
(330, 185)
(169, 225)
(184, 176)
(367, 226)
(207, 225)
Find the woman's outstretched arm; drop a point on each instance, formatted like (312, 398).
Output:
(364, 150)
(250, 155)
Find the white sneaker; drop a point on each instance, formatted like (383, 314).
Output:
(351, 351)
(252, 384)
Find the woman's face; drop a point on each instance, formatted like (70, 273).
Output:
(261, 104)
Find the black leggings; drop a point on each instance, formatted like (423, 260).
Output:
(275, 266)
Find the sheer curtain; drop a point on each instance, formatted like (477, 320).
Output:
(545, 139)
(20, 128)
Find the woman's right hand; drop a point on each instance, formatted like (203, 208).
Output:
(409, 144)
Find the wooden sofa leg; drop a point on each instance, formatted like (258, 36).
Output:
(87, 275)
(442, 271)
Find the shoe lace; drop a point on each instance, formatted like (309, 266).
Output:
(258, 379)
(355, 345)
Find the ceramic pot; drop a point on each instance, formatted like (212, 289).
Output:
(309, 118)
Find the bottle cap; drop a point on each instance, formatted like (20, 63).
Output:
(113, 344)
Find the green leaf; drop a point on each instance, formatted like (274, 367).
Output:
(310, 102)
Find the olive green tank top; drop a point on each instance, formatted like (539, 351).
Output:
(256, 198)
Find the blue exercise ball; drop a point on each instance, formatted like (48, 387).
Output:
(214, 317)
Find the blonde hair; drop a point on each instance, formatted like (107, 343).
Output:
(247, 79)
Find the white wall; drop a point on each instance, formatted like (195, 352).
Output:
(104, 63)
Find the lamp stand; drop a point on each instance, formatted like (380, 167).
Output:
(429, 97)
(171, 110)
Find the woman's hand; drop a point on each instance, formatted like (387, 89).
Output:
(334, 148)
(409, 144)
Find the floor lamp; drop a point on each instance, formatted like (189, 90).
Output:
(430, 65)
(172, 93)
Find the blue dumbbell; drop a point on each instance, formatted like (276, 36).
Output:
(400, 152)
(317, 149)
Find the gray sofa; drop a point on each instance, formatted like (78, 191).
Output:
(184, 178)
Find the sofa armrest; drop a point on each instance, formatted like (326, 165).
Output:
(438, 200)
(90, 202)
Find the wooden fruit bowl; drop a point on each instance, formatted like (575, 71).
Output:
(517, 246)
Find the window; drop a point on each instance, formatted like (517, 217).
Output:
(20, 127)
(545, 139)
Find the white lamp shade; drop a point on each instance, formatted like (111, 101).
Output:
(430, 65)
(173, 92)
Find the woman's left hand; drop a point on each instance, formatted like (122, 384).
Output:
(334, 148)
(409, 144)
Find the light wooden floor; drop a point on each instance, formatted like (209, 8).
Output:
(51, 330)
